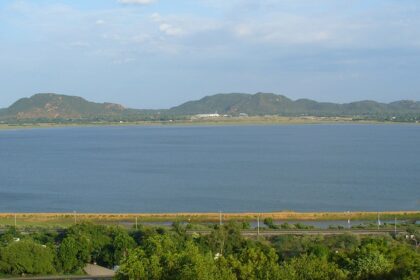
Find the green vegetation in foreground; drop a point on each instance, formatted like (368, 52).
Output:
(171, 253)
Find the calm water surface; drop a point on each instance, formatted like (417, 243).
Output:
(239, 168)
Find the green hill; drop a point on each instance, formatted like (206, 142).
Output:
(272, 104)
(55, 106)
(48, 107)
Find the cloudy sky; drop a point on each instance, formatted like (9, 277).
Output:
(159, 53)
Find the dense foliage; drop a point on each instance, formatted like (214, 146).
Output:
(173, 253)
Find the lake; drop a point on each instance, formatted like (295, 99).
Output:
(211, 168)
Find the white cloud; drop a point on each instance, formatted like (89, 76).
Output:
(185, 25)
(275, 42)
(123, 60)
(140, 2)
(141, 38)
(287, 31)
(165, 27)
(80, 44)
(321, 31)
(267, 25)
(170, 30)
(242, 30)
(156, 17)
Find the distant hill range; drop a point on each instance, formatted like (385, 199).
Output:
(272, 104)
(51, 106)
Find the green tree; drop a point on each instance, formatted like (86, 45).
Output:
(8, 235)
(347, 242)
(370, 265)
(73, 254)
(201, 266)
(157, 258)
(121, 243)
(26, 257)
(94, 239)
(137, 265)
(289, 246)
(319, 250)
(311, 268)
(406, 262)
(414, 230)
(113, 252)
(254, 264)
(226, 239)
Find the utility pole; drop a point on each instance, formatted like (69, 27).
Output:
(258, 227)
(379, 221)
(348, 220)
(15, 220)
(222, 243)
(136, 223)
(395, 226)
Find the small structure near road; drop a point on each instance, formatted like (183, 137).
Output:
(98, 271)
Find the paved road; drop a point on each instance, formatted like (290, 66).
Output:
(284, 232)
(86, 277)
(307, 232)
(94, 272)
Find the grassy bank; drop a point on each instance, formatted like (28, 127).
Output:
(67, 219)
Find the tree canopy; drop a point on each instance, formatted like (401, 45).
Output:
(172, 253)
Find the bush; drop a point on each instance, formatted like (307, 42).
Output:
(270, 223)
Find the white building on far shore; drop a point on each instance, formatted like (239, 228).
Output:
(202, 116)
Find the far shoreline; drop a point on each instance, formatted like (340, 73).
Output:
(240, 121)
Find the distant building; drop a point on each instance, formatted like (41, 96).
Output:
(202, 116)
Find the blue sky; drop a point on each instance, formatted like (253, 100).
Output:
(157, 54)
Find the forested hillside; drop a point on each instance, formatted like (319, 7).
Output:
(272, 104)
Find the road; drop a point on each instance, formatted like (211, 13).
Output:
(264, 232)
(268, 233)
(61, 277)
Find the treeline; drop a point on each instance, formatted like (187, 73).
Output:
(402, 118)
(166, 117)
(96, 119)
(172, 253)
